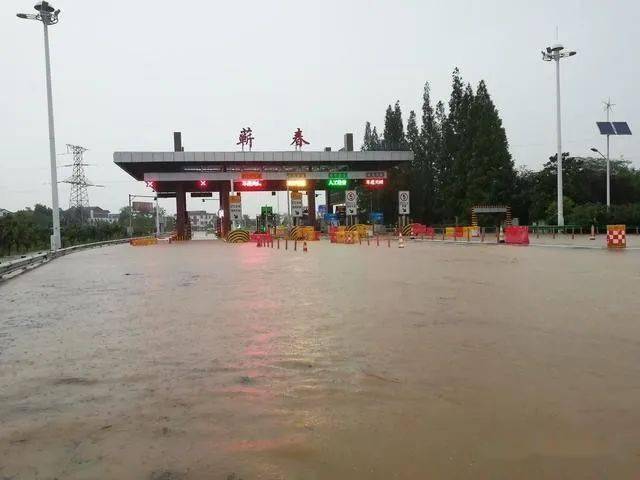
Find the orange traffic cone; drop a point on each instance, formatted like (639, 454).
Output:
(501, 235)
(304, 247)
(400, 241)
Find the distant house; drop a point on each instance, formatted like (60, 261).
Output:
(97, 214)
(4, 212)
(201, 220)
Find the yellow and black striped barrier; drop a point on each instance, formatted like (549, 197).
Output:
(406, 231)
(238, 236)
(137, 242)
(296, 233)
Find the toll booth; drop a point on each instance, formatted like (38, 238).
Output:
(180, 173)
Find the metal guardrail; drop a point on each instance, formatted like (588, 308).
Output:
(15, 267)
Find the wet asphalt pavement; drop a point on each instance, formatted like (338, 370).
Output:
(204, 360)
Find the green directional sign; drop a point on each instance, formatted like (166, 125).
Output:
(337, 182)
(266, 210)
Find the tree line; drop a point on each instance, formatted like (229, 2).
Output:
(462, 159)
(29, 230)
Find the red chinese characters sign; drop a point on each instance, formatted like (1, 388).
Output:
(298, 139)
(246, 138)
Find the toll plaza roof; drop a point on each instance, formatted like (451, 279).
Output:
(182, 166)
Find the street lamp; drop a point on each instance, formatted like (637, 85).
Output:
(555, 52)
(593, 149)
(49, 16)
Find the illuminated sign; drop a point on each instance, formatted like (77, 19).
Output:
(374, 182)
(337, 182)
(203, 183)
(252, 183)
(296, 182)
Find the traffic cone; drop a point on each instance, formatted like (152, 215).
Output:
(400, 241)
(304, 247)
(501, 236)
(593, 233)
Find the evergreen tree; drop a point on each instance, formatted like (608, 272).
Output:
(366, 142)
(416, 170)
(442, 165)
(430, 141)
(490, 173)
(375, 140)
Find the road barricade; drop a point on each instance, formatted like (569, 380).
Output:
(238, 236)
(417, 229)
(344, 236)
(139, 242)
(262, 238)
(516, 235)
(471, 231)
(310, 235)
(616, 236)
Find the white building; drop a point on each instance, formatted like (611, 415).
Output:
(201, 220)
(4, 212)
(97, 214)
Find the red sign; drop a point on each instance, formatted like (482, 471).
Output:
(245, 138)
(252, 183)
(298, 139)
(374, 182)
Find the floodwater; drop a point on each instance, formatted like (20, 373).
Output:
(204, 360)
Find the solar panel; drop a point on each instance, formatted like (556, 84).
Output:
(606, 128)
(622, 128)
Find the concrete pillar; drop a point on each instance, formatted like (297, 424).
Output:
(311, 203)
(181, 210)
(224, 205)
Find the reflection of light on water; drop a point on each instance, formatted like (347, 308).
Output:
(252, 256)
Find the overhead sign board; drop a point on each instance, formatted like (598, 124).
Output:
(376, 174)
(142, 207)
(296, 204)
(235, 208)
(403, 202)
(251, 175)
(338, 175)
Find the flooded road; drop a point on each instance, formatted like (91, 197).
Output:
(211, 361)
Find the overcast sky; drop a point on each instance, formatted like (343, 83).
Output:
(126, 74)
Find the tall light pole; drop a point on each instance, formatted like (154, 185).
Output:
(555, 52)
(593, 149)
(49, 16)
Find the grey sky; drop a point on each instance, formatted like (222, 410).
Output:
(125, 77)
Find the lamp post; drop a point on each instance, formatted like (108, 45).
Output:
(49, 16)
(593, 149)
(555, 53)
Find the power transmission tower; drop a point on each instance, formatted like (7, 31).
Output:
(78, 197)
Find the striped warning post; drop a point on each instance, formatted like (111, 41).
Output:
(238, 236)
(407, 231)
